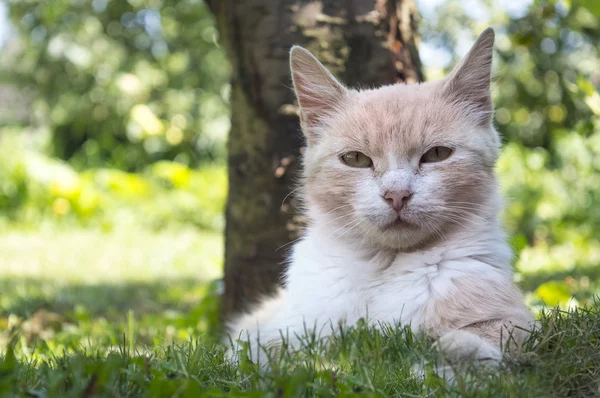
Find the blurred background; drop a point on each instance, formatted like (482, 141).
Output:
(114, 118)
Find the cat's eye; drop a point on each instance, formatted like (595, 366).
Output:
(356, 159)
(436, 154)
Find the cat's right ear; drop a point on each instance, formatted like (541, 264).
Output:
(317, 90)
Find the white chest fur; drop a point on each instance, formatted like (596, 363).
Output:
(326, 281)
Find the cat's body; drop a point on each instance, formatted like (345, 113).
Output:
(403, 210)
(462, 284)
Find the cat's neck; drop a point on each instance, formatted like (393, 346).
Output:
(485, 241)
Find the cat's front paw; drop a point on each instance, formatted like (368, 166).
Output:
(459, 348)
(463, 346)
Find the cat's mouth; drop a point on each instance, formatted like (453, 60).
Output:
(398, 222)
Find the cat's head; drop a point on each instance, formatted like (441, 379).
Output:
(401, 165)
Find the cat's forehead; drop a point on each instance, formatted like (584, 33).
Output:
(399, 118)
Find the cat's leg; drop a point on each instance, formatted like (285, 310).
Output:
(458, 348)
(478, 320)
(482, 343)
(462, 345)
(256, 329)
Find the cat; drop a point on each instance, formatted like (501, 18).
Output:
(403, 204)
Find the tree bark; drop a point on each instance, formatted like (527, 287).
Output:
(364, 43)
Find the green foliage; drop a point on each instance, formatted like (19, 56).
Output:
(124, 82)
(35, 187)
(548, 108)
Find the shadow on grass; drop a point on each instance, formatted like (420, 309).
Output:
(24, 296)
(532, 280)
(154, 311)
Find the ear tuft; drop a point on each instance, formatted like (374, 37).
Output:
(317, 90)
(469, 82)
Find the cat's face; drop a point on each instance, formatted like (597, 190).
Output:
(399, 166)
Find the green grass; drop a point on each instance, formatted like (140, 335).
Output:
(362, 361)
(135, 313)
(65, 290)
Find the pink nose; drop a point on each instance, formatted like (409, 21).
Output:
(397, 199)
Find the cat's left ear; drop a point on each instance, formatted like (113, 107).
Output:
(469, 82)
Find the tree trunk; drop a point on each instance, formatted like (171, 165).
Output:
(364, 43)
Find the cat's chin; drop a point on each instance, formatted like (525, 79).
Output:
(401, 233)
(403, 241)
(396, 235)
(398, 223)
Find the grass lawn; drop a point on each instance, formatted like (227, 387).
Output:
(134, 313)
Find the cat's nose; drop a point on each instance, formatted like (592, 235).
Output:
(397, 199)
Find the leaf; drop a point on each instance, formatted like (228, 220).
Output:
(9, 361)
(593, 6)
(554, 293)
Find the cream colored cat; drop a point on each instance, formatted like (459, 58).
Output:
(403, 205)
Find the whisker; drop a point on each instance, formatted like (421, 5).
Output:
(468, 203)
(335, 219)
(337, 208)
(351, 228)
(458, 211)
(297, 239)
(289, 243)
(431, 226)
(289, 194)
(465, 214)
(344, 226)
(453, 219)
(354, 224)
(362, 231)
(436, 230)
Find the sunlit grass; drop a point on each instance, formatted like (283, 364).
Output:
(68, 289)
(123, 255)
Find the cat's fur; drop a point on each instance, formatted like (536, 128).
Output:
(445, 270)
